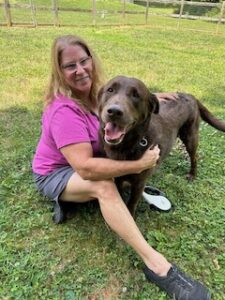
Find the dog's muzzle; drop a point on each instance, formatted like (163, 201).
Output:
(116, 123)
(113, 134)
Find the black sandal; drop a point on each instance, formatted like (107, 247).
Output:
(59, 214)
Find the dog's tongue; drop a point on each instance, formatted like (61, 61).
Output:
(112, 131)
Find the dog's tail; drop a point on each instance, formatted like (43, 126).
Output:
(209, 118)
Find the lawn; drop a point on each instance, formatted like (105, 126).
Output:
(82, 258)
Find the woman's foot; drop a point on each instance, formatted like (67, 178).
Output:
(178, 285)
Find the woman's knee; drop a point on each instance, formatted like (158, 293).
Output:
(106, 189)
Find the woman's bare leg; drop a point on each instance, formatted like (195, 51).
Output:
(117, 216)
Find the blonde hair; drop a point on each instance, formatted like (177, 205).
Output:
(57, 85)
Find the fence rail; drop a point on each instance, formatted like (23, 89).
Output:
(94, 12)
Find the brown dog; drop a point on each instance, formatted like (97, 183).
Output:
(132, 119)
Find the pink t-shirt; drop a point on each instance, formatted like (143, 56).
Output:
(64, 122)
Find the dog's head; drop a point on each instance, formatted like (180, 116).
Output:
(123, 104)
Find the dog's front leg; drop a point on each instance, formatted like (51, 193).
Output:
(124, 188)
(137, 188)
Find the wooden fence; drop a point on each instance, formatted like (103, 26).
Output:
(93, 12)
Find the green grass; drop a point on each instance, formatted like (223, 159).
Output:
(82, 258)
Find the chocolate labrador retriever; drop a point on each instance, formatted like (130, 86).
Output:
(132, 120)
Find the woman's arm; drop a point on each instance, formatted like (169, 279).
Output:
(81, 159)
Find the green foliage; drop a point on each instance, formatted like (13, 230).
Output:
(82, 258)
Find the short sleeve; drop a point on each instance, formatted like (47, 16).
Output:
(68, 126)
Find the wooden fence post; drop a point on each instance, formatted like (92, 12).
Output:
(146, 12)
(221, 16)
(124, 7)
(33, 12)
(94, 11)
(7, 13)
(55, 12)
(181, 11)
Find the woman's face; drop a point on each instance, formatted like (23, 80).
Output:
(76, 68)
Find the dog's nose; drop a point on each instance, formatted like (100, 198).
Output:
(114, 111)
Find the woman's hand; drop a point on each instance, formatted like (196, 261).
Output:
(149, 158)
(166, 96)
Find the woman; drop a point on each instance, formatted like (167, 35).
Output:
(68, 166)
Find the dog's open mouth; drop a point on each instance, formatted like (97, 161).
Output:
(114, 133)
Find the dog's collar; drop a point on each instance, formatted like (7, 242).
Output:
(143, 142)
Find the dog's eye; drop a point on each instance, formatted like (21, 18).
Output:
(135, 93)
(110, 90)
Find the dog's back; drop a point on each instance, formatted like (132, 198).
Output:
(181, 118)
(173, 115)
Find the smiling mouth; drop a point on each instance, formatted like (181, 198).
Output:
(83, 78)
(114, 133)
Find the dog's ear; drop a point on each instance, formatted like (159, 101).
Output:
(154, 103)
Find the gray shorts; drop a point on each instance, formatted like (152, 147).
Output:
(53, 184)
